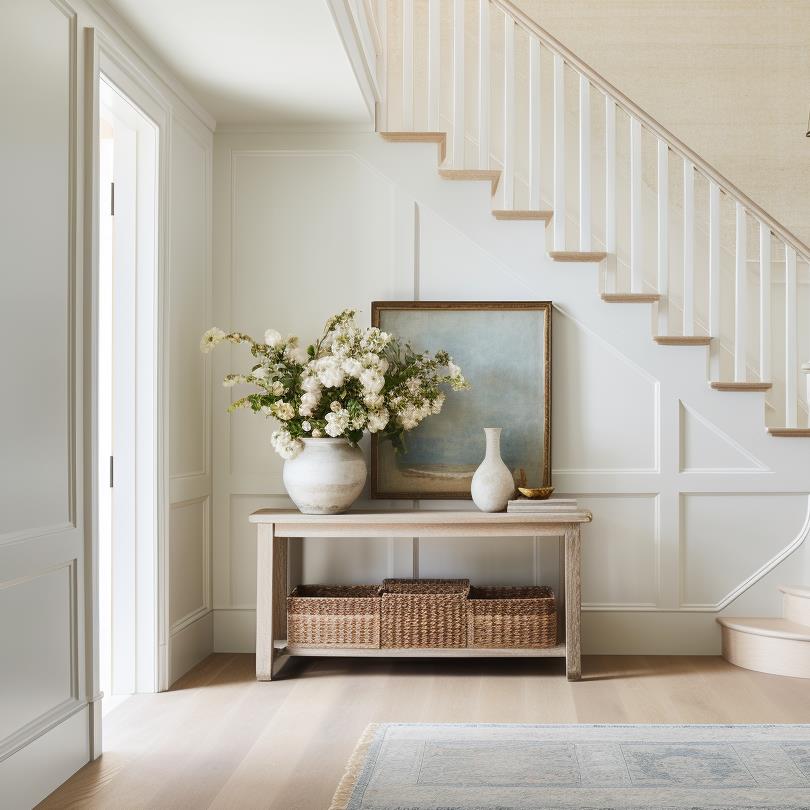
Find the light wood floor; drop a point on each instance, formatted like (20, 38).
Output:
(220, 739)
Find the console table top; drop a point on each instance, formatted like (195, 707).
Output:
(420, 517)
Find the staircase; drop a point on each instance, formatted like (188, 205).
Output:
(689, 243)
(779, 646)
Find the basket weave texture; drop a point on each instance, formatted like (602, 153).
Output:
(334, 616)
(504, 616)
(424, 613)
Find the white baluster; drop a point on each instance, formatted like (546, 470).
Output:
(688, 248)
(534, 124)
(740, 295)
(636, 270)
(610, 194)
(714, 279)
(806, 372)
(559, 153)
(663, 237)
(584, 164)
(407, 65)
(791, 339)
(508, 179)
(764, 302)
(458, 84)
(483, 84)
(434, 64)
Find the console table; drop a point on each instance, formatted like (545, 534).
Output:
(277, 526)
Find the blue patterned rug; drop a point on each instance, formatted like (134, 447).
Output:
(403, 766)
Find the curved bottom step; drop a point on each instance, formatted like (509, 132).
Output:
(777, 646)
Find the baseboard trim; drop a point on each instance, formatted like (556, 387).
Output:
(36, 770)
(189, 645)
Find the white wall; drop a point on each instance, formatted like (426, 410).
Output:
(48, 685)
(696, 510)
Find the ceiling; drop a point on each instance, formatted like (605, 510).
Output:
(277, 62)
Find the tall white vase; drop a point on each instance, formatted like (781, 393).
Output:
(326, 477)
(492, 485)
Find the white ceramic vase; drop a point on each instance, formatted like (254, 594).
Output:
(493, 484)
(326, 477)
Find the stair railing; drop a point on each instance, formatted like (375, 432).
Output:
(777, 247)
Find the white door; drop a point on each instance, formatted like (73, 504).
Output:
(44, 699)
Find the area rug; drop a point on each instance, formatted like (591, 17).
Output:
(403, 766)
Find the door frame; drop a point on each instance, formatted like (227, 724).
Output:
(104, 57)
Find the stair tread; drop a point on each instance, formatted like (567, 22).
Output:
(683, 340)
(439, 138)
(796, 590)
(795, 432)
(493, 175)
(631, 298)
(577, 255)
(719, 385)
(518, 214)
(773, 627)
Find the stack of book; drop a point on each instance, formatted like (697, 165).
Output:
(550, 506)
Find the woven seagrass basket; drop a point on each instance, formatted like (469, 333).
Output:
(424, 613)
(504, 616)
(334, 616)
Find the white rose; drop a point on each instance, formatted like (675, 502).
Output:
(310, 384)
(329, 372)
(352, 367)
(377, 420)
(373, 401)
(210, 339)
(316, 434)
(272, 338)
(309, 402)
(259, 373)
(372, 381)
(335, 406)
(277, 388)
(306, 426)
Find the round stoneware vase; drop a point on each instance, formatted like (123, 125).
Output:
(326, 477)
(492, 485)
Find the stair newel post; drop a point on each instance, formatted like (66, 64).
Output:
(508, 179)
(535, 203)
(663, 237)
(636, 269)
(584, 164)
(764, 302)
(559, 153)
(610, 194)
(791, 339)
(483, 84)
(407, 65)
(714, 275)
(458, 84)
(434, 64)
(740, 294)
(688, 247)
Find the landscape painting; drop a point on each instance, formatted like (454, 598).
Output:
(504, 350)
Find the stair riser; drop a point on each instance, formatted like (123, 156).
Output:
(778, 656)
(796, 608)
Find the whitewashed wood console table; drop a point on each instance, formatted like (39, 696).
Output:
(277, 526)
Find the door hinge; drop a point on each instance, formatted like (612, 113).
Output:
(112, 199)
(112, 471)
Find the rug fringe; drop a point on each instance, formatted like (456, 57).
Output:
(340, 801)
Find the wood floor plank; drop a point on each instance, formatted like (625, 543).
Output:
(221, 739)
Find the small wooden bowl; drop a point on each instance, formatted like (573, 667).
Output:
(537, 493)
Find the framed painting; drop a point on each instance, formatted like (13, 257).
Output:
(504, 350)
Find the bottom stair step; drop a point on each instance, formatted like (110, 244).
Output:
(778, 646)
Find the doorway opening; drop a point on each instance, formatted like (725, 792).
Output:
(127, 396)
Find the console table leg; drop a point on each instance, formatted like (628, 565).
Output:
(573, 601)
(271, 596)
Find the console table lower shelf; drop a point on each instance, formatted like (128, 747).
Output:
(277, 526)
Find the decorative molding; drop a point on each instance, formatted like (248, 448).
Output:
(751, 580)
(205, 608)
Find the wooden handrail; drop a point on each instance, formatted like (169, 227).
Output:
(630, 107)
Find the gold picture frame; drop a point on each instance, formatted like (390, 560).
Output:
(508, 348)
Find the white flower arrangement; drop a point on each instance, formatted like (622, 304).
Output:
(350, 381)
